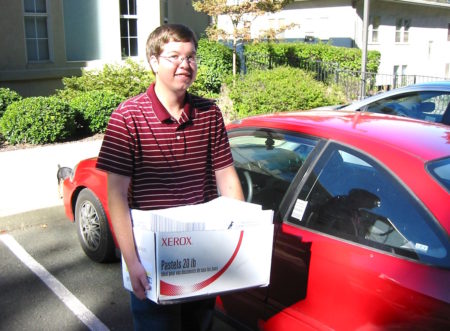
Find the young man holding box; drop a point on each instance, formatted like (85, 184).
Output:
(165, 148)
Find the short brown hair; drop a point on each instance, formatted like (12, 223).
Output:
(167, 33)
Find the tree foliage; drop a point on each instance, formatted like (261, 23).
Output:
(241, 13)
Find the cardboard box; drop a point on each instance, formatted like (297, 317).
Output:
(184, 266)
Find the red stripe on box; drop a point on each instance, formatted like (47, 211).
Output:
(171, 290)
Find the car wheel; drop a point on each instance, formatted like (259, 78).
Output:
(92, 227)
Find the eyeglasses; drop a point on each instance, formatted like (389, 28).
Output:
(177, 59)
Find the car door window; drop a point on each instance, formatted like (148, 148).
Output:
(266, 162)
(352, 197)
(425, 105)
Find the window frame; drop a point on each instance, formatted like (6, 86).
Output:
(402, 27)
(375, 29)
(400, 71)
(36, 39)
(128, 22)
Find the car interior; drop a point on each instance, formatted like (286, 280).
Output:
(266, 165)
(351, 199)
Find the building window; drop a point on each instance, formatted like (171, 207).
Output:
(402, 30)
(375, 25)
(166, 11)
(128, 28)
(400, 78)
(36, 30)
(448, 32)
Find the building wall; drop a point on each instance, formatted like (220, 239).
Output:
(427, 51)
(82, 34)
(181, 11)
(340, 22)
(13, 54)
(33, 78)
(334, 21)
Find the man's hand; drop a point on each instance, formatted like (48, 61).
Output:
(139, 281)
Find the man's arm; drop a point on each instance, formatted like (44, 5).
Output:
(121, 222)
(228, 183)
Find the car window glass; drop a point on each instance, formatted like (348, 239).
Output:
(427, 105)
(266, 163)
(352, 197)
(440, 170)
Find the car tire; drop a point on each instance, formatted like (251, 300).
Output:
(93, 229)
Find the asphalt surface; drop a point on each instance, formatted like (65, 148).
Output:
(29, 200)
(28, 176)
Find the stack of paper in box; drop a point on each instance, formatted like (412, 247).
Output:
(201, 250)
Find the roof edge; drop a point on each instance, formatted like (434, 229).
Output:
(422, 3)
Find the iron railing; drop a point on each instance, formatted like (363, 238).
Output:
(349, 81)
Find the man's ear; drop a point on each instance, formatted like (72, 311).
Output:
(154, 64)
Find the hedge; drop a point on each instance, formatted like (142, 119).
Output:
(269, 55)
(38, 120)
(127, 80)
(7, 96)
(94, 108)
(280, 89)
(215, 64)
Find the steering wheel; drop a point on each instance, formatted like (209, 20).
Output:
(249, 185)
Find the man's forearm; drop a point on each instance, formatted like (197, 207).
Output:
(123, 229)
(228, 183)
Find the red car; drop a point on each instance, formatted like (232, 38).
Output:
(362, 220)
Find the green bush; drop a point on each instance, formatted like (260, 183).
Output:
(127, 80)
(216, 63)
(270, 55)
(38, 120)
(7, 97)
(94, 108)
(280, 89)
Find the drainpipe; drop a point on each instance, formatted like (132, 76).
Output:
(364, 48)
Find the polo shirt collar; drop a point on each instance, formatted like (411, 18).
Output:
(161, 112)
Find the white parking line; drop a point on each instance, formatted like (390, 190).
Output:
(75, 305)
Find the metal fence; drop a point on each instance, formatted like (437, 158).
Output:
(349, 81)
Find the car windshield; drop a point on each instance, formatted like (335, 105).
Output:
(440, 170)
(267, 161)
(425, 105)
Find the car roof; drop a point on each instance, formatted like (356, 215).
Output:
(433, 84)
(425, 140)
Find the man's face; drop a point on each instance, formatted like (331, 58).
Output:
(176, 66)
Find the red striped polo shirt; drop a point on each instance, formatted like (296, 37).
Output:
(171, 163)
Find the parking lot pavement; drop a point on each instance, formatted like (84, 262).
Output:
(28, 177)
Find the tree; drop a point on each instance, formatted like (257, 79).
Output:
(241, 13)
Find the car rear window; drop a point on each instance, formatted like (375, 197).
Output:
(440, 170)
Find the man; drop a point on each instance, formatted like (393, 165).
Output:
(165, 148)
